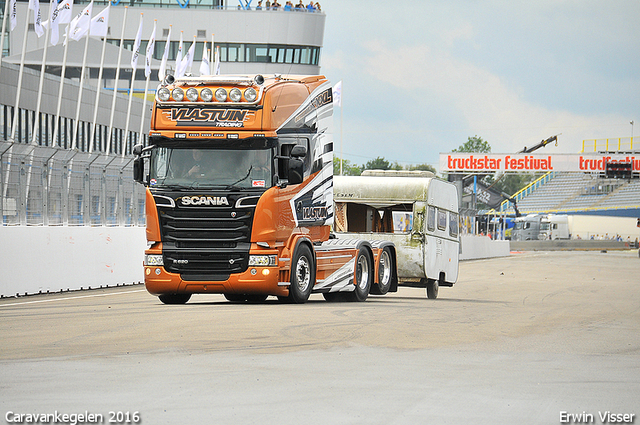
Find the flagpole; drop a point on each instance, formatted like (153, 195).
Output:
(211, 60)
(16, 111)
(36, 124)
(4, 28)
(62, 76)
(74, 134)
(148, 77)
(133, 79)
(115, 86)
(98, 90)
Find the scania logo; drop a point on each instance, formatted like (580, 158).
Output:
(204, 200)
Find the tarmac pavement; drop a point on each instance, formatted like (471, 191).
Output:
(533, 338)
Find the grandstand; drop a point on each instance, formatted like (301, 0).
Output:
(578, 193)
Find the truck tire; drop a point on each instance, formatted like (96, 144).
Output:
(236, 298)
(363, 277)
(174, 298)
(385, 273)
(303, 275)
(432, 289)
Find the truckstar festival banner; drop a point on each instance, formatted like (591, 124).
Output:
(491, 162)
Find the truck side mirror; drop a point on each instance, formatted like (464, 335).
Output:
(296, 174)
(137, 150)
(138, 170)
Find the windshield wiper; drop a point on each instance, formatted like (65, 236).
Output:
(242, 179)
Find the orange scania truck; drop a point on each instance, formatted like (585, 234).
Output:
(239, 195)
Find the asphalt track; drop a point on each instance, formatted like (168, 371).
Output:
(524, 339)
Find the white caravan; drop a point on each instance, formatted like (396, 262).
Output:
(414, 210)
(554, 227)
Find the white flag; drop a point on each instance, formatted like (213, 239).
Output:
(163, 65)
(151, 47)
(216, 65)
(337, 94)
(81, 24)
(204, 65)
(187, 61)
(37, 17)
(61, 15)
(179, 55)
(13, 14)
(100, 23)
(136, 47)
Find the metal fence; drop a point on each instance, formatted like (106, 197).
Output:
(53, 186)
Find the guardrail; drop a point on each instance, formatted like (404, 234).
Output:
(53, 186)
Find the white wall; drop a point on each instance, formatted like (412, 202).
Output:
(475, 247)
(41, 259)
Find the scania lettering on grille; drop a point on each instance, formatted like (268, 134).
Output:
(207, 201)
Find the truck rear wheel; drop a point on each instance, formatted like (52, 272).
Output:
(432, 289)
(363, 277)
(303, 275)
(385, 273)
(174, 298)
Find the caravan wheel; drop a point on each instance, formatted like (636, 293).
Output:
(432, 289)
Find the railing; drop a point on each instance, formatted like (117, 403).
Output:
(504, 206)
(200, 4)
(53, 186)
(608, 145)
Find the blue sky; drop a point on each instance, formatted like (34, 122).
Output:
(420, 77)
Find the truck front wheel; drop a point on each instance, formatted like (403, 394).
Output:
(303, 275)
(174, 298)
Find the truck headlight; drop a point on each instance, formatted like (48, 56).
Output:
(206, 94)
(153, 260)
(192, 94)
(164, 94)
(250, 94)
(263, 260)
(177, 94)
(235, 94)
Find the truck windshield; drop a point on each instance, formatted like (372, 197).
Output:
(211, 168)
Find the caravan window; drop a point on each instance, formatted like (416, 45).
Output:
(431, 219)
(442, 220)
(453, 224)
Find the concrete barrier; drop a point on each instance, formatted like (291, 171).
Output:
(57, 258)
(570, 245)
(476, 247)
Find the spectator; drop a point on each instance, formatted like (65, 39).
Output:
(259, 6)
(268, 5)
(300, 6)
(310, 7)
(318, 7)
(288, 6)
(275, 5)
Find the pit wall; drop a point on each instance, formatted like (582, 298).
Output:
(59, 258)
(477, 247)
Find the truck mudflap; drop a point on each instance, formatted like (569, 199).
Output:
(346, 251)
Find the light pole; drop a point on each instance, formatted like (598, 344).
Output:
(631, 122)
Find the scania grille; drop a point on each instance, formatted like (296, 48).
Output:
(205, 240)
